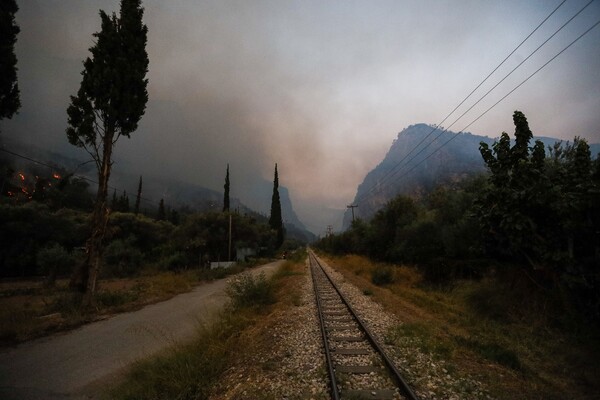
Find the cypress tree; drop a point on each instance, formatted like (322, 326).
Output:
(275, 220)
(162, 215)
(109, 104)
(114, 204)
(138, 197)
(9, 87)
(226, 194)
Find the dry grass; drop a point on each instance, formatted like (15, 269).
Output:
(487, 332)
(29, 310)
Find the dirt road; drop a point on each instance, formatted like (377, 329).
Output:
(70, 365)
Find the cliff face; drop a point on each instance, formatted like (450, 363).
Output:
(408, 172)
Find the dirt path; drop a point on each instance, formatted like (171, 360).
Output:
(66, 366)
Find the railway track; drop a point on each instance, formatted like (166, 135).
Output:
(357, 366)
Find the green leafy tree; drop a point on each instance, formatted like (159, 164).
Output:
(9, 87)
(109, 104)
(226, 193)
(275, 219)
(514, 207)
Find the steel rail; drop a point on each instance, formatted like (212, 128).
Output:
(403, 385)
(335, 393)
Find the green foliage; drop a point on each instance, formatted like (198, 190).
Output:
(174, 261)
(161, 215)
(275, 219)
(25, 229)
(382, 275)
(544, 212)
(148, 233)
(206, 235)
(112, 96)
(247, 291)
(226, 192)
(9, 87)
(441, 226)
(122, 258)
(53, 259)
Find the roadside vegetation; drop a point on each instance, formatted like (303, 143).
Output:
(44, 225)
(518, 346)
(498, 273)
(193, 370)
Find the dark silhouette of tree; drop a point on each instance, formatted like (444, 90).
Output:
(226, 194)
(109, 104)
(514, 207)
(114, 204)
(275, 220)
(138, 197)
(162, 215)
(124, 202)
(9, 87)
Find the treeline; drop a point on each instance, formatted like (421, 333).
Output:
(45, 222)
(536, 214)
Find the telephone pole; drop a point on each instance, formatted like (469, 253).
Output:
(352, 207)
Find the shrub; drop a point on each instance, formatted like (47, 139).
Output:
(52, 260)
(174, 261)
(382, 275)
(247, 291)
(122, 258)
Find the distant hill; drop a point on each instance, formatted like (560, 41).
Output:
(175, 193)
(455, 161)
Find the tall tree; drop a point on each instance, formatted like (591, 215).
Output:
(226, 194)
(9, 87)
(275, 220)
(138, 197)
(162, 214)
(513, 208)
(109, 104)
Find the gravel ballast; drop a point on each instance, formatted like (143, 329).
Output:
(291, 364)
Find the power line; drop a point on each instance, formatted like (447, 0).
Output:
(398, 164)
(498, 102)
(397, 168)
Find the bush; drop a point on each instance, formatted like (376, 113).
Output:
(122, 258)
(382, 275)
(247, 291)
(53, 260)
(174, 261)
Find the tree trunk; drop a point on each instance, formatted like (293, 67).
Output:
(94, 245)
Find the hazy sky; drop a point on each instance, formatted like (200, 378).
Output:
(320, 87)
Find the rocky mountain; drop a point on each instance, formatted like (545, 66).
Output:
(414, 173)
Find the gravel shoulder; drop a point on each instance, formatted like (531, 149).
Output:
(286, 360)
(66, 366)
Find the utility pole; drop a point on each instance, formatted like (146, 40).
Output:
(352, 207)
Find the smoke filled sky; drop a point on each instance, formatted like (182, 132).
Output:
(320, 87)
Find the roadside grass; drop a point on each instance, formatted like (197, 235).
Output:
(515, 342)
(29, 310)
(194, 370)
